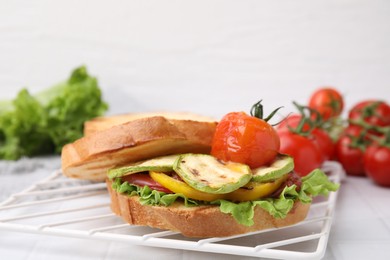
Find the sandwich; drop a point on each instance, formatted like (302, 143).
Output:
(160, 173)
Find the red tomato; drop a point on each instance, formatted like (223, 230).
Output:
(324, 142)
(327, 101)
(305, 152)
(143, 179)
(374, 112)
(356, 131)
(246, 139)
(377, 164)
(292, 121)
(350, 158)
(353, 130)
(317, 135)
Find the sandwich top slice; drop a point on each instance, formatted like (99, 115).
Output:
(104, 122)
(117, 141)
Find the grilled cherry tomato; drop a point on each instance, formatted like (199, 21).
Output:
(377, 164)
(327, 101)
(143, 179)
(246, 139)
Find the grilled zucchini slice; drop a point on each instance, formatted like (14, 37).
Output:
(159, 164)
(282, 165)
(208, 174)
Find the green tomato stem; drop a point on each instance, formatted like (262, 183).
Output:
(257, 110)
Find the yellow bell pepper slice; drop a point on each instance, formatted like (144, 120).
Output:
(178, 186)
(255, 190)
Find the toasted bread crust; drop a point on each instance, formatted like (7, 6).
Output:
(91, 156)
(198, 221)
(102, 123)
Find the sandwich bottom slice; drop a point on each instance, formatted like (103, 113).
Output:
(198, 221)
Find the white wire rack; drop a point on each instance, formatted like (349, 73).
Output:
(64, 207)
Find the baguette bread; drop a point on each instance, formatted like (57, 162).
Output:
(199, 221)
(114, 143)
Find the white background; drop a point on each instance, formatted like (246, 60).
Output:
(204, 56)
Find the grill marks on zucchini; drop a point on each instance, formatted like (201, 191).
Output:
(160, 164)
(200, 174)
(206, 173)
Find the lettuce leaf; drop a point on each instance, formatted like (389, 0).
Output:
(314, 184)
(149, 196)
(44, 123)
(317, 183)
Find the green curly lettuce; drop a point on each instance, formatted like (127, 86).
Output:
(314, 184)
(150, 197)
(43, 123)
